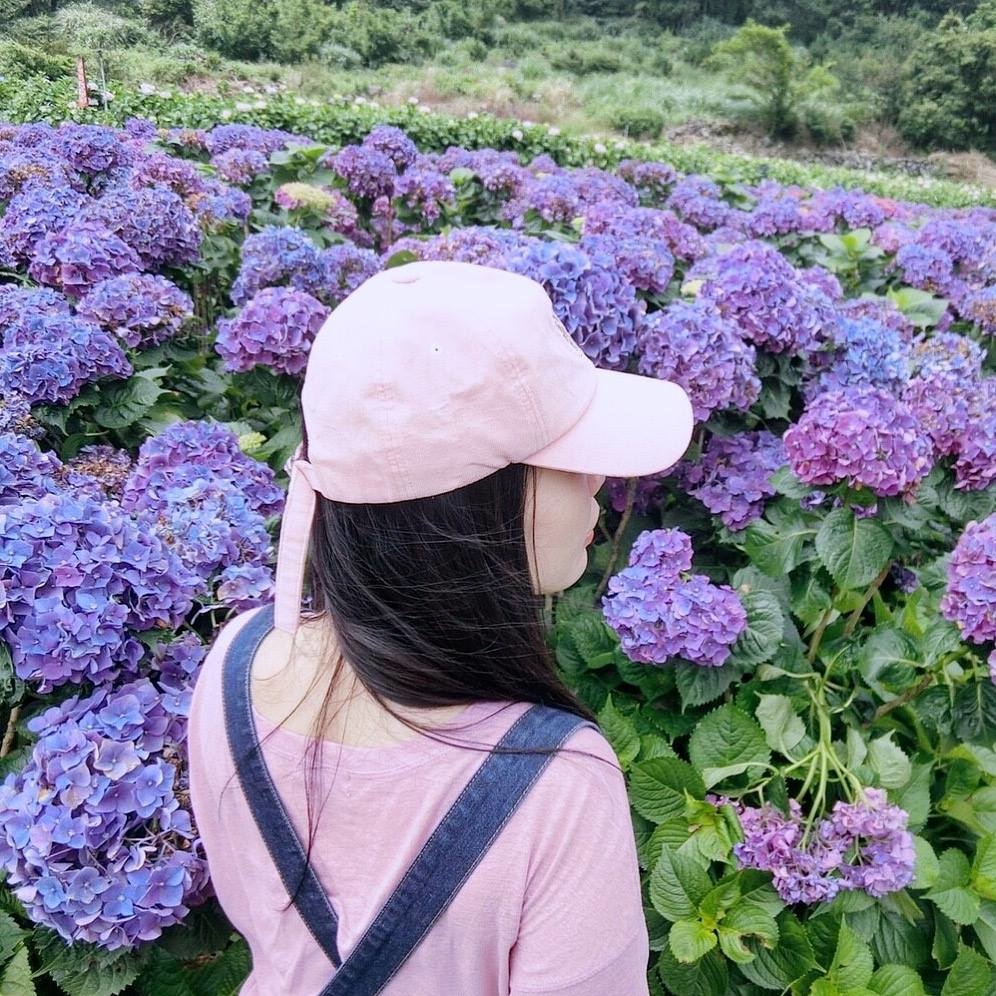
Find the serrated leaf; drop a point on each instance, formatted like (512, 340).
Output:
(783, 729)
(677, 885)
(852, 962)
(226, 975)
(760, 640)
(777, 543)
(889, 762)
(926, 867)
(727, 736)
(950, 893)
(983, 879)
(620, 731)
(15, 979)
(690, 940)
(709, 976)
(970, 975)
(657, 787)
(784, 964)
(853, 550)
(896, 980)
(699, 685)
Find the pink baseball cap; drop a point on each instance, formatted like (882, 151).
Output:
(437, 373)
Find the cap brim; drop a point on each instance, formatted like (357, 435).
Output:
(634, 426)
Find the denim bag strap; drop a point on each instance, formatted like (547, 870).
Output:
(446, 861)
(271, 818)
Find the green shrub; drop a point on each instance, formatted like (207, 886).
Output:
(516, 40)
(828, 123)
(166, 13)
(18, 61)
(380, 35)
(85, 27)
(637, 122)
(300, 28)
(949, 85)
(698, 40)
(776, 76)
(462, 19)
(236, 28)
(585, 58)
(339, 56)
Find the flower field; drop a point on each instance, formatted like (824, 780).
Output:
(788, 638)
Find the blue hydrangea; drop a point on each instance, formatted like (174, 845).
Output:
(141, 309)
(273, 257)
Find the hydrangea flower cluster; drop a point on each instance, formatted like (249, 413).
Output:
(94, 837)
(36, 209)
(862, 845)
(76, 258)
(553, 198)
(275, 256)
(210, 445)
(141, 309)
(276, 328)
(648, 266)
(425, 192)
(26, 471)
(51, 358)
(733, 477)
(17, 304)
(367, 172)
(240, 166)
(692, 344)
(597, 305)
(98, 471)
(652, 179)
(970, 598)
(660, 614)
(755, 285)
(91, 149)
(81, 578)
(975, 465)
(343, 268)
(330, 207)
(699, 200)
(866, 353)
(862, 435)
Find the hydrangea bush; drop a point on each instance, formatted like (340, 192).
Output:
(789, 637)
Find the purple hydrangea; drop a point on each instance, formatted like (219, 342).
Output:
(854, 208)
(975, 465)
(861, 435)
(240, 166)
(91, 149)
(207, 520)
(650, 491)
(96, 834)
(342, 269)
(425, 192)
(51, 358)
(35, 210)
(684, 241)
(80, 578)
(925, 267)
(141, 309)
(647, 265)
(755, 286)
(275, 256)
(16, 417)
(26, 471)
(154, 222)
(699, 201)
(155, 169)
(598, 307)
(220, 205)
(866, 354)
(393, 143)
(774, 215)
(862, 845)
(941, 400)
(487, 245)
(652, 179)
(970, 599)
(553, 198)
(245, 586)
(221, 138)
(17, 304)
(690, 343)
(208, 444)
(276, 329)
(29, 166)
(76, 258)
(98, 471)
(733, 477)
(979, 307)
(878, 309)
(660, 614)
(367, 172)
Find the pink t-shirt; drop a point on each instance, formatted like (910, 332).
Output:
(554, 906)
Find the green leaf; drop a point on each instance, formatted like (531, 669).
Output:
(788, 961)
(746, 920)
(760, 641)
(852, 962)
(709, 976)
(950, 892)
(124, 404)
(11, 934)
(727, 736)
(889, 762)
(15, 980)
(853, 550)
(86, 969)
(690, 940)
(698, 685)
(970, 975)
(620, 731)
(974, 712)
(777, 543)
(983, 879)
(783, 729)
(921, 308)
(657, 787)
(678, 884)
(896, 980)
(926, 868)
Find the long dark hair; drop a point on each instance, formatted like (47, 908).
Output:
(432, 603)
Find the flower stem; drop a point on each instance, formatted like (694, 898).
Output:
(617, 537)
(814, 643)
(855, 616)
(8, 734)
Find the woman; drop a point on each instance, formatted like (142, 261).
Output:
(473, 833)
